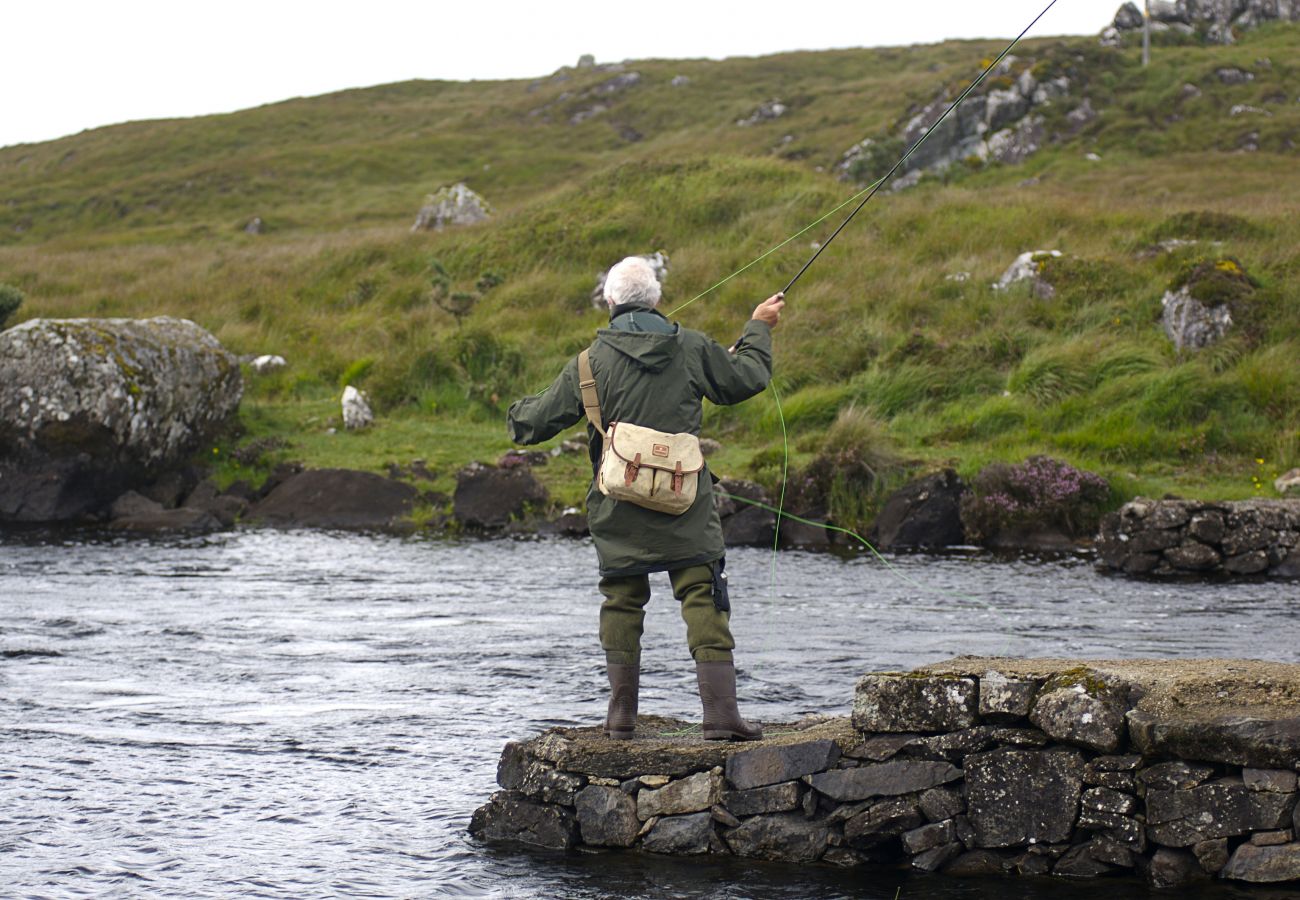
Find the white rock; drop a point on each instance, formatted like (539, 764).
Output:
(356, 409)
(455, 205)
(1025, 267)
(266, 364)
(1288, 482)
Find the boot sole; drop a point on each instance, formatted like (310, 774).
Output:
(619, 735)
(726, 734)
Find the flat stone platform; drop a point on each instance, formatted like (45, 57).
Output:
(1171, 770)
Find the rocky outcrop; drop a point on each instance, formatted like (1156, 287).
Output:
(1215, 21)
(977, 766)
(1002, 121)
(658, 261)
(1028, 266)
(90, 408)
(765, 112)
(454, 205)
(1189, 537)
(356, 409)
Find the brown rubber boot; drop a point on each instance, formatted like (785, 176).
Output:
(624, 686)
(722, 721)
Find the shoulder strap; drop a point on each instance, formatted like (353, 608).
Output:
(587, 384)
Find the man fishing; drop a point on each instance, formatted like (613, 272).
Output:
(653, 373)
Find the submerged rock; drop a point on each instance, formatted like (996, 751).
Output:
(92, 407)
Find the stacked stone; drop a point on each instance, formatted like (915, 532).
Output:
(1031, 772)
(1180, 537)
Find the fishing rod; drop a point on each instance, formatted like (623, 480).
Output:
(875, 189)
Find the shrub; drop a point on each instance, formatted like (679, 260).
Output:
(10, 299)
(1039, 492)
(856, 465)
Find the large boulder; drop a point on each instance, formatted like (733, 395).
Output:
(488, 497)
(923, 513)
(90, 408)
(337, 498)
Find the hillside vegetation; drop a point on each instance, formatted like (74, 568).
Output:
(147, 219)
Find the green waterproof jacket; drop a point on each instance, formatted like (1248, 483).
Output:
(654, 373)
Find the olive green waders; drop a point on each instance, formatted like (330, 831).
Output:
(708, 635)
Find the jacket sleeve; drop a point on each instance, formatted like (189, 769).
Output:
(543, 416)
(733, 377)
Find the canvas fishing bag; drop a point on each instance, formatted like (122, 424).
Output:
(639, 465)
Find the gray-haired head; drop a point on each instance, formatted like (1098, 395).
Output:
(632, 281)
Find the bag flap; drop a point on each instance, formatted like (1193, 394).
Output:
(658, 449)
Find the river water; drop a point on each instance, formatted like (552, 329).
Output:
(270, 714)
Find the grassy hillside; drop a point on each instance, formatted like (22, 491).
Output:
(146, 218)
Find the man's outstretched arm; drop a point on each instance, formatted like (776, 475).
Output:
(731, 376)
(542, 416)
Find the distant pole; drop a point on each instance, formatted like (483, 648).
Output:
(1146, 33)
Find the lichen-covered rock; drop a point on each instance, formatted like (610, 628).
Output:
(1083, 708)
(454, 205)
(518, 770)
(927, 837)
(92, 407)
(1182, 818)
(1248, 740)
(1264, 865)
(786, 837)
(1278, 781)
(913, 702)
(771, 765)
(881, 821)
(888, 779)
(698, 792)
(1028, 267)
(1003, 699)
(680, 835)
(510, 816)
(1212, 854)
(606, 816)
(1020, 796)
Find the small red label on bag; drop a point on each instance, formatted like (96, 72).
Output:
(659, 450)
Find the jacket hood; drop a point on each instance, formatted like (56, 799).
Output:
(649, 350)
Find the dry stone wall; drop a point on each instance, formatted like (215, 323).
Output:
(1174, 772)
(1188, 537)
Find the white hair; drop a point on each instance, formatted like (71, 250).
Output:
(632, 281)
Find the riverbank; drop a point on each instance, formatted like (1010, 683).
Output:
(1172, 771)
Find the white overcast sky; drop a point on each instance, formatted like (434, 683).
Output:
(68, 65)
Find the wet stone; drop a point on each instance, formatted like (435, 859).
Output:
(1021, 796)
(927, 837)
(772, 765)
(888, 779)
(723, 816)
(936, 858)
(680, 835)
(1154, 541)
(1167, 869)
(606, 817)
(844, 858)
(1123, 830)
(1116, 781)
(1186, 817)
(884, 820)
(1247, 563)
(894, 703)
(1081, 707)
(510, 816)
(768, 799)
(1193, 557)
(1264, 865)
(1212, 855)
(1079, 862)
(1127, 763)
(1207, 527)
(1277, 781)
(698, 792)
(1003, 699)
(785, 837)
(518, 770)
(976, 863)
(942, 803)
(1108, 851)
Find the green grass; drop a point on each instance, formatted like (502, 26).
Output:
(445, 329)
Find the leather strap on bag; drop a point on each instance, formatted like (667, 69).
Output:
(590, 399)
